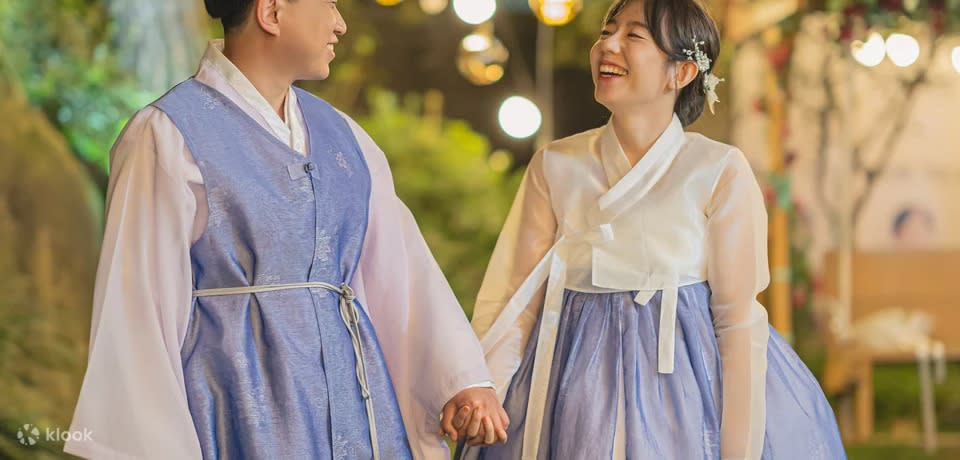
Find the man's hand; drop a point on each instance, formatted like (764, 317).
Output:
(475, 413)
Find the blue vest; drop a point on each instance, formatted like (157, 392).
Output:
(273, 374)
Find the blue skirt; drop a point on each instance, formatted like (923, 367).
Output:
(604, 338)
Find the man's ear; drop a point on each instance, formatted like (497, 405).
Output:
(265, 13)
(685, 72)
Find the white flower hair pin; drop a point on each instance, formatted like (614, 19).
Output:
(710, 81)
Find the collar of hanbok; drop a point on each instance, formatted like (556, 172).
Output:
(628, 184)
(290, 129)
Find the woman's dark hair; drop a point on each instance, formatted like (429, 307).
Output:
(675, 25)
(231, 13)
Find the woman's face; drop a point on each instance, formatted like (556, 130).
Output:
(629, 70)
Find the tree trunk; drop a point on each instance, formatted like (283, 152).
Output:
(160, 42)
(50, 227)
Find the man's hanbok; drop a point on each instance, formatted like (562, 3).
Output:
(262, 292)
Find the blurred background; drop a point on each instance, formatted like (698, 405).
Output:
(847, 111)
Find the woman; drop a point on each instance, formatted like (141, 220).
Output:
(646, 340)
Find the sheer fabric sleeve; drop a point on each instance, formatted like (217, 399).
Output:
(737, 272)
(133, 401)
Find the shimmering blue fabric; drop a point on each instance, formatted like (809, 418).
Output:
(272, 375)
(668, 416)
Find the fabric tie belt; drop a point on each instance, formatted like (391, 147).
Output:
(351, 319)
(552, 269)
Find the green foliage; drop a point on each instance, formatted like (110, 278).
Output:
(897, 395)
(443, 173)
(60, 51)
(899, 452)
(942, 15)
(897, 399)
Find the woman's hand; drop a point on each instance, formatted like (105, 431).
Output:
(475, 414)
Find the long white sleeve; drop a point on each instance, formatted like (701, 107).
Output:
(133, 400)
(737, 271)
(528, 233)
(431, 352)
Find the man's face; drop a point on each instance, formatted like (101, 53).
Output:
(309, 30)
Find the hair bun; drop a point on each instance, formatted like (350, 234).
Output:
(219, 9)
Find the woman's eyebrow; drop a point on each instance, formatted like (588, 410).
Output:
(630, 24)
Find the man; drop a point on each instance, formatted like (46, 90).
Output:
(262, 292)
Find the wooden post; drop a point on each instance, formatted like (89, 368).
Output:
(778, 298)
(864, 400)
(544, 75)
(433, 109)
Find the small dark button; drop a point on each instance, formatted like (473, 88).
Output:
(309, 167)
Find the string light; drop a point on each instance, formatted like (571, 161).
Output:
(902, 49)
(433, 7)
(482, 57)
(871, 52)
(474, 11)
(519, 117)
(556, 12)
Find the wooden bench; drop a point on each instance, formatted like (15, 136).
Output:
(925, 281)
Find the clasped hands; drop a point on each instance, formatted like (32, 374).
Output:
(476, 416)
